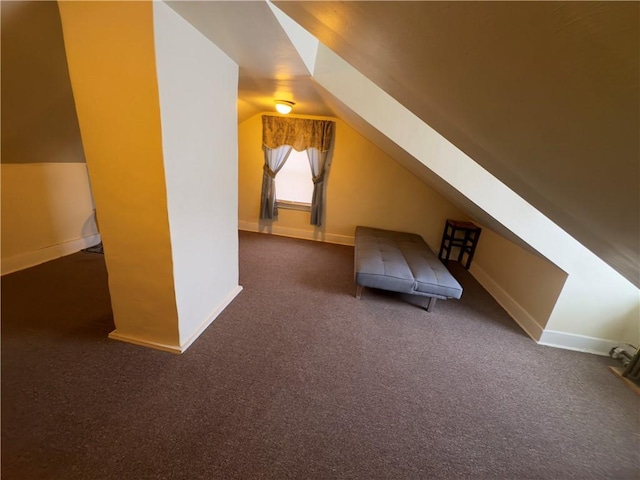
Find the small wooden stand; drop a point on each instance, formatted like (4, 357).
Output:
(463, 235)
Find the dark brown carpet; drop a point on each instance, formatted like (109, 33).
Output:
(298, 379)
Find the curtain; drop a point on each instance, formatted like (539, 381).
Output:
(274, 159)
(300, 133)
(317, 161)
(314, 136)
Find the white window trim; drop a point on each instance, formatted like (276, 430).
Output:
(289, 205)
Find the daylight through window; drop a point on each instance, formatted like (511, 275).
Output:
(294, 184)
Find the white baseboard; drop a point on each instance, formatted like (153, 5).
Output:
(204, 325)
(578, 343)
(549, 338)
(297, 233)
(36, 257)
(513, 308)
(179, 349)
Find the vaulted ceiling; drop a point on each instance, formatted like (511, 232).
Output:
(544, 95)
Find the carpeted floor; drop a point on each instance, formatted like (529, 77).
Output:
(298, 379)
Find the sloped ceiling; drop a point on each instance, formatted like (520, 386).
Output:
(425, 174)
(39, 121)
(270, 68)
(544, 95)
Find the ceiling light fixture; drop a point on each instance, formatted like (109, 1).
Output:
(284, 106)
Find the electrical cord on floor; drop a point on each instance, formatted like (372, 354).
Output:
(619, 353)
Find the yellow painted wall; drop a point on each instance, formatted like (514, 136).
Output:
(365, 186)
(111, 56)
(47, 212)
(525, 284)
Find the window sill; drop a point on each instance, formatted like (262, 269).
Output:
(287, 205)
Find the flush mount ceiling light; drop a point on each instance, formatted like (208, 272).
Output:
(284, 106)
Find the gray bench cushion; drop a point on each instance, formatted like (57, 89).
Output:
(401, 262)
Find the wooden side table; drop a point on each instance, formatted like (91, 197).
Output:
(462, 235)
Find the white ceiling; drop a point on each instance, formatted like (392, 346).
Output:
(270, 67)
(544, 95)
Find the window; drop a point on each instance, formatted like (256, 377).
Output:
(294, 184)
(279, 135)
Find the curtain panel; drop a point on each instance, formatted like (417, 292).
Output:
(274, 159)
(317, 162)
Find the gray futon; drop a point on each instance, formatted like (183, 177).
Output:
(401, 262)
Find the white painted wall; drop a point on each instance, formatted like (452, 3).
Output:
(597, 305)
(198, 90)
(47, 212)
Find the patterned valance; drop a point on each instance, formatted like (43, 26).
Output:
(300, 133)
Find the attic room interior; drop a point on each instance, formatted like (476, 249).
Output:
(139, 126)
